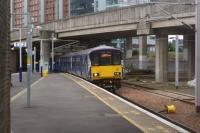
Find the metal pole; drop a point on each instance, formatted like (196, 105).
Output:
(52, 63)
(197, 72)
(177, 62)
(20, 55)
(34, 59)
(41, 57)
(29, 54)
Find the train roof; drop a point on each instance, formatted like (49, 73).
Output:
(88, 51)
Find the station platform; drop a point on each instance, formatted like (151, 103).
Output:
(62, 103)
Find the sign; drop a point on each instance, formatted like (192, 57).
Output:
(144, 28)
(20, 44)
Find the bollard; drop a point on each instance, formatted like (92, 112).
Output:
(169, 109)
(45, 73)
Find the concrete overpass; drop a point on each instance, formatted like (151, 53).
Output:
(140, 20)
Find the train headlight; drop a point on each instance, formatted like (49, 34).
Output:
(117, 73)
(96, 74)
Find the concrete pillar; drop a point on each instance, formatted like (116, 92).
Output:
(189, 55)
(129, 47)
(25, 10)
(42, 13)
(142, 52)
(46, 54)
(161, 70)
(61, 10)
(45, 49)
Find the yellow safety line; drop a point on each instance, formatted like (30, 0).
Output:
(113, 108)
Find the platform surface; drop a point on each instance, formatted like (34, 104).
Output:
(59, 105)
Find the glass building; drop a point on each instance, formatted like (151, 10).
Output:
(121, 3)
(79, 7)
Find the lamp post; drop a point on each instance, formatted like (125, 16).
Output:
(29, 56)
(197, 71)
(20, 55)
(41, 57)
(177, 63)
(52, 50)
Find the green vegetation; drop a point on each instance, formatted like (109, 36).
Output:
(172, 47)
(135, 52)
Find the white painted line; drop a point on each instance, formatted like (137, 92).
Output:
(13, 74)
(180, 129)
(24, 91)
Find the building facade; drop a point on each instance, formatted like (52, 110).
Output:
(41, 11)
(79, 7)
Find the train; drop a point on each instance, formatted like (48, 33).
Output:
(100, 65)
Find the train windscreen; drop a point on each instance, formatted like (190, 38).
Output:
(105, 58)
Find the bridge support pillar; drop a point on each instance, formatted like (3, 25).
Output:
(189, 55)
(129, 47)
(45, 50)
(142, 52)
(161, 69)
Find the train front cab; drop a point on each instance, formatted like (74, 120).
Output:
(106, 69)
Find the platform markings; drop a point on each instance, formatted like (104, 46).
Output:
(13, 98)
(180, 129)
(151, 129)
(135, 112)
(160, 127)
(126, 112)
(113, 108)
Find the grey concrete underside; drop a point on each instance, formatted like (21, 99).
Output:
(61, 106)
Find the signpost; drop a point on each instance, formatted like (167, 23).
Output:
(20, 45)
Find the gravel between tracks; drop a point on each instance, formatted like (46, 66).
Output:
(185, 113)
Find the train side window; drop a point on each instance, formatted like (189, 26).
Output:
(116, 59)
(94, 59)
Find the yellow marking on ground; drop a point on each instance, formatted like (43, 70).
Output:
(111, 99)
(160, 127)
(113, 108)
(166, 131)
(151, 129)
(135, 112)
(126, 112)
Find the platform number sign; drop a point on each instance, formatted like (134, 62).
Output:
(20, 44)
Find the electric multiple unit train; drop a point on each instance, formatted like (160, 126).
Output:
(101, 65)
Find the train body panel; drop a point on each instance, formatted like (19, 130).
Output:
(106, 72)
(100, 65)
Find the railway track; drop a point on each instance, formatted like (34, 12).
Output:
(160, 115)
(188, 99)
(164, 93)
(143, 107)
